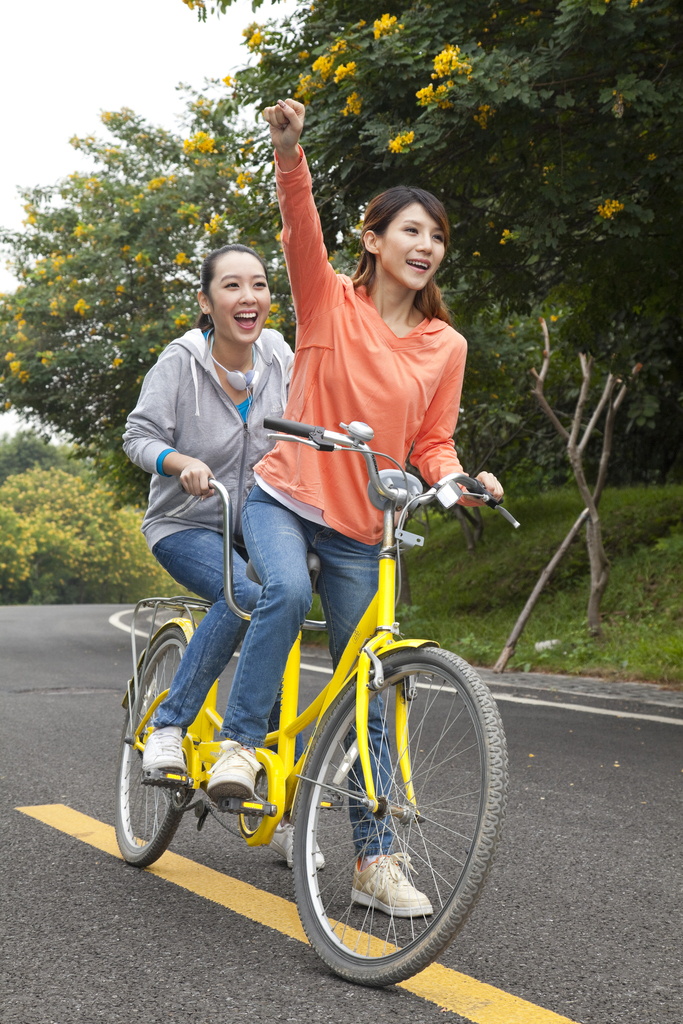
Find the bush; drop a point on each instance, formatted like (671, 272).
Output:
(64, 541)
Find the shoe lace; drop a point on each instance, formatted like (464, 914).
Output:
(238, 755)
(390, 864)
(168, 744)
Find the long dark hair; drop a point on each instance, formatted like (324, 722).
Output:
(208, 271)
(378, 216)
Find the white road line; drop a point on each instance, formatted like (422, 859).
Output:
(585, 708)
(115, 620)
(569, 707)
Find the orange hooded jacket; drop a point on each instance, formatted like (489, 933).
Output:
(349, 365)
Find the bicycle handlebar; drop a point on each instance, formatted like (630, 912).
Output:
(289, 426)
(326, 440)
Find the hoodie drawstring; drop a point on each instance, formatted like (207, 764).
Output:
(193, 367)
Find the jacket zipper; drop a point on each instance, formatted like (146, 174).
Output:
(237, 527)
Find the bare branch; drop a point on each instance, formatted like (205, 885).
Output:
(586, 370)
(546, 350)
(610, 384)
(608, 435)
(521, 622)
(538, 390)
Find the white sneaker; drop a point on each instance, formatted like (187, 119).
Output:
(283, 843)
(384, 887)
(234, 773)
(164, 750)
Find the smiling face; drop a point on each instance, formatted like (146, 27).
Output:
(238, 299)
(410, 250)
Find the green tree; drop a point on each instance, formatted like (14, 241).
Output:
(551, 133)
(64, 541)
(28, 450)
(108, 265)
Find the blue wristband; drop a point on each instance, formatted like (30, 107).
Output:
(160, 461)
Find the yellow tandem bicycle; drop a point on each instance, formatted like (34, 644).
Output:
(432, 778)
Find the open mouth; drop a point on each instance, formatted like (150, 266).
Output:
(247, 320)
(422, 265)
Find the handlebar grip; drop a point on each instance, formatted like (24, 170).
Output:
(472, 485)
(288, 426)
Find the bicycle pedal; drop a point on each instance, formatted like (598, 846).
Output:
(171, 780)
(235, 805)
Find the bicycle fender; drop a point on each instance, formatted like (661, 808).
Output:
(398, 645)
(185, 625)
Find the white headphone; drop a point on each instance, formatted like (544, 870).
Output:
(236, 379)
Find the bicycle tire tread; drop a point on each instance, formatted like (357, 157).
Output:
(436, 939)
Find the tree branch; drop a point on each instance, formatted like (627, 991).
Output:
(586, 371)
(540, 380)
(610, 384)
(521, 622)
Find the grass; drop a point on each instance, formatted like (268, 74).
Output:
(469, 603)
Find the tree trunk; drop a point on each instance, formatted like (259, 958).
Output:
(521, 622)
(600, 569)
(465, 527)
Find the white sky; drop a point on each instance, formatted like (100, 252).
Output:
(64, 63)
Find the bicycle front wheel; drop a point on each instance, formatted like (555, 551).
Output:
(456, 765)
(147, 817)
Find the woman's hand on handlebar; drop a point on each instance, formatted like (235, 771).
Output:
(194, 474)
(492, 485)
(286, 121)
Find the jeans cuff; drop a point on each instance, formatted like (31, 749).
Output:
(246, 741)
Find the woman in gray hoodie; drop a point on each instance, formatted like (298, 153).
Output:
(200, 415)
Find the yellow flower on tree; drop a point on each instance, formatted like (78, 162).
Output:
(609, 208)
(81, 307)
(507, 236)
(449, 61)
(353, 104)
(117, 362)
(243, 179)
(323, 65)
(345, 71)
(439, 96)
(214, 224)
(401, 143)
(386, 26)
(200, 142)
(181, 259)
(482, 118)
(253, 36)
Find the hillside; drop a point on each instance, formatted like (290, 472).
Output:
(470, 602)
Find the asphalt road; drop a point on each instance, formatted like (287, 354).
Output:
(581, 915)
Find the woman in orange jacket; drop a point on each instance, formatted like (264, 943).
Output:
(377, 347)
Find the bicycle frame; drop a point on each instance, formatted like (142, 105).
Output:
(374, 636)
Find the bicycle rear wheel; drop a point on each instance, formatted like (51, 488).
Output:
(147, 817)
(458, 761)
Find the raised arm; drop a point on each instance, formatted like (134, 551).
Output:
(315, 286)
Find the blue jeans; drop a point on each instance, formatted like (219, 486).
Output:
(277, 541)
(194, 558)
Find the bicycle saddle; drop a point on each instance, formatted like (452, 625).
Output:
(312, 562)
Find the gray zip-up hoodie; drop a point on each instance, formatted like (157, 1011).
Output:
(183, 406)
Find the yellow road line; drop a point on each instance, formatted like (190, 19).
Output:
(472, 999)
